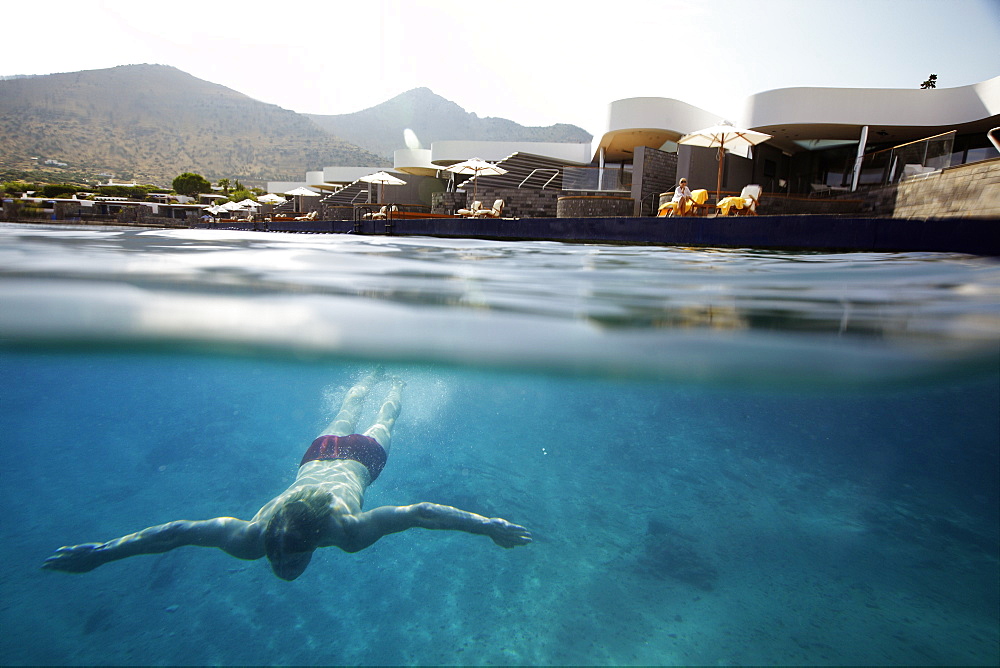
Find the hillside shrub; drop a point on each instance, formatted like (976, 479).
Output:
(133, 192)
(240, 195)
(19, 187)
(59, 190)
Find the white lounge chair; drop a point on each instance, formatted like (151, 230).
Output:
(495, 212)
(471, 212)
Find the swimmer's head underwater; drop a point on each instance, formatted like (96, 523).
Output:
(294, 531)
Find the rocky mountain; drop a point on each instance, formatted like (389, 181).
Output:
(153, 122)
(433, 118)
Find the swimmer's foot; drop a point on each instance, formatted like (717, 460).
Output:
(373, 376)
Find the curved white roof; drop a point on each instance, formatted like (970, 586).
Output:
(839, 113)
(414, 161)
(649, 121)
(791, 114)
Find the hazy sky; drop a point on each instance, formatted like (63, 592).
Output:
(536, 62)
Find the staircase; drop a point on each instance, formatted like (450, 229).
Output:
(524, 170)
(354, 193)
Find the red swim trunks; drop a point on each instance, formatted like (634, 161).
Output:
(357, 447)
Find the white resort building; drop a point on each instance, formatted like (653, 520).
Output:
(831, 150)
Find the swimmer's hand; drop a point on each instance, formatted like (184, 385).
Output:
(506, 534)
(76, 558)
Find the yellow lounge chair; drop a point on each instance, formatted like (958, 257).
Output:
(744, 205)
(698, 199)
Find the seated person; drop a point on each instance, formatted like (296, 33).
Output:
(681, 199)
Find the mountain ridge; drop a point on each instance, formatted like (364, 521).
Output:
(152, 122)
(434, 118)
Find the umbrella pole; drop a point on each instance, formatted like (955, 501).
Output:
(718, 180)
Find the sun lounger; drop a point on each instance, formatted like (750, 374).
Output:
(744, 205)
(312, 215)
(491, 213)
(471, 212)
(698, 202)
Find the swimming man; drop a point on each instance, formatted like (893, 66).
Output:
(322, 508)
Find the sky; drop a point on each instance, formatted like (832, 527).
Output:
(536, 62)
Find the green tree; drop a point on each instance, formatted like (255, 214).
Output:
(132, 192)
(930, 83)
(18, 187)
(59, 190)
(224, 184)
(240, 195)
(191, 184)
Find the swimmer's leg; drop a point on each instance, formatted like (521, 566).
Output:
(346, 421)
(381, 431)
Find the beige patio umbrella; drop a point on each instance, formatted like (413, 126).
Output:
(382, 179)
(724, 137)
(301, 192)
(475, 167)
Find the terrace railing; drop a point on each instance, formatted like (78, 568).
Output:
(614, 179)
(916, 158)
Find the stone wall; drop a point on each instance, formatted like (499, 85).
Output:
(595, 206)
(336, 212)
(448, 203)
(517, 202)
(653, 172)
(785, 205)
(11, 209)
(142, 215)
(964, 191)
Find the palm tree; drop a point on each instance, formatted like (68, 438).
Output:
(224, 184)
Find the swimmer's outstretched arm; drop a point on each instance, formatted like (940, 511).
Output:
(237, 537)
(385, 520)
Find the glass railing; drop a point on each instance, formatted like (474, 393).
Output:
(595, 178)
(913, 159)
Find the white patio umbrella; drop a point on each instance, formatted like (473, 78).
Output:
(382, 179)
(724, 137)
(271, 199)
(476, 166)
(302, 192)
(248, 203)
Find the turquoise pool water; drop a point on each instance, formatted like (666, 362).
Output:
(723, 456)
